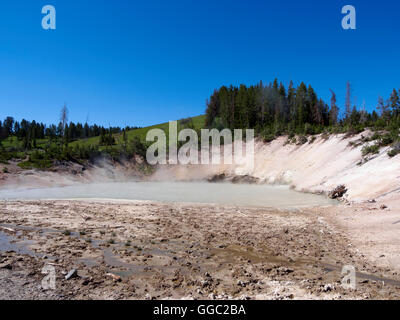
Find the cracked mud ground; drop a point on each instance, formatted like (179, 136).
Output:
(149, 250)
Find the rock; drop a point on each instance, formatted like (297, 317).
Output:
(217, 178)
(73, 273)
(8, 229)
(338, 192)
(114, 277)
(245, 179)
(284, 270)
(205, 283)
(383, 207)
(6, 265)
(328, 287)
(241, 283)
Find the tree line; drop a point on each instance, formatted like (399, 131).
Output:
(30, 131)
(44, 145)
(273, 110)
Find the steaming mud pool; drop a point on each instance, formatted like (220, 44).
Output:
(191, 192)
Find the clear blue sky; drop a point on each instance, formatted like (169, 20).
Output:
(132, 62)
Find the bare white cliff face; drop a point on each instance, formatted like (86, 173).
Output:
(324, 164)
(317, 167)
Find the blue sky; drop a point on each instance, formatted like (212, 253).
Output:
(121, 62)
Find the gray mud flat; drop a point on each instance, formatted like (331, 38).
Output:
(152, 250)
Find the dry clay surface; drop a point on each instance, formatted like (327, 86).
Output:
(148, 250)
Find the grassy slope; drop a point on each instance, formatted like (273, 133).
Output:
(13, 142)
(141, 133)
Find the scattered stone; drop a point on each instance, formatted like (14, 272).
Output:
(245, 179)
(284, 270)
(329, 287)
(241, 283)
(114, 277)
(8, 229)
(6, 265)
(73, 273)
(217, 178)
(338, 192)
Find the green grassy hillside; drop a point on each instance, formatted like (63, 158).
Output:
(198, 123)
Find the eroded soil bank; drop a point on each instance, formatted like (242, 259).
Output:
(149, 250)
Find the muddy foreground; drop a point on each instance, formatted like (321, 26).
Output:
(147, 250)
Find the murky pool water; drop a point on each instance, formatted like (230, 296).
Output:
(198, 192)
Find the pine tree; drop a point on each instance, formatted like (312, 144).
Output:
(213, 108)
(275, 84)
(395, 103)
(63, 123)
(291, 97)
(334, 112)
(348, 101)
(125, 139)
(383, 107)
(301, 112)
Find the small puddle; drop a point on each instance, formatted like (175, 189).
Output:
(12, 243)
(232, 254)
(9, 243)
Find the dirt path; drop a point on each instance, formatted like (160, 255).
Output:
(373, 229)
(147, 250)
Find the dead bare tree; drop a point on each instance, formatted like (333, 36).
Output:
(63, 120)
(363, 117)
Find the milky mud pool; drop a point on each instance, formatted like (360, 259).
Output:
(196, 192)
(164, 247)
